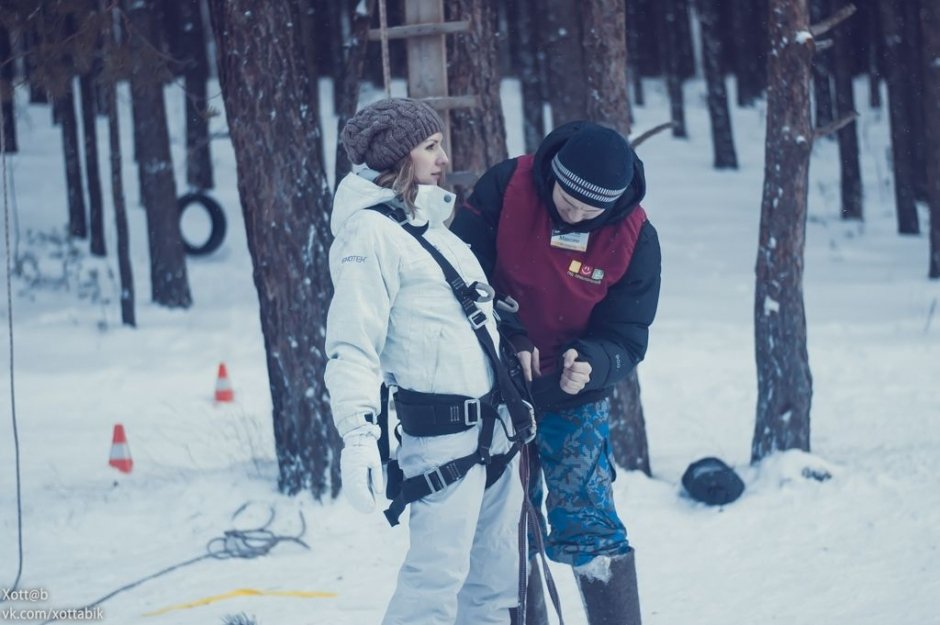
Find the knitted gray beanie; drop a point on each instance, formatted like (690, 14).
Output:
(384, 132)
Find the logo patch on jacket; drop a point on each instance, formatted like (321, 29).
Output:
(585, 272)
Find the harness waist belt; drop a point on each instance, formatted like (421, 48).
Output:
(436, 414)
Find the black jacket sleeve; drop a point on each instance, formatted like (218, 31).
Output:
(477, 219)
(618, 332)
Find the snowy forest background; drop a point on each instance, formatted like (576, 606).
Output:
(797, 200)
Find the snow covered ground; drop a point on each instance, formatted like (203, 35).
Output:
(860, 548)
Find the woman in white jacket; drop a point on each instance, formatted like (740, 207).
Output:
(393, 318)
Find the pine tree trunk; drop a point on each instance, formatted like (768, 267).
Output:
(850, 171)
(915, 98)
(125, 271)
(783, 375)
(822, 69)
(31, 44)
(98, 81)
(902, 147)
(633, 50)
(168, 280)
(65, 106)
(348, 85)
(746, 15)
(526, 37)
(477, 135)
(196, 73)
(567, 82)
(6, 91)
(685, 47)
(722, 135)
(286, 204)
(605, 60)
(875, 50)
(628, 435)
(309, 13)
(670, 52)
(930, 22)
(92, 174)
(331, 49)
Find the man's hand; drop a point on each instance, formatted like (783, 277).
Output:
(530, 363)
(575, 374)
(361, 470)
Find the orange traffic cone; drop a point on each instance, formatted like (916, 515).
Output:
(120, 452)
(223, 387)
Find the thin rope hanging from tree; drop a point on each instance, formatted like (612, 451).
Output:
(16, 439)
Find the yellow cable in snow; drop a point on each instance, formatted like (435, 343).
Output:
(244, 592)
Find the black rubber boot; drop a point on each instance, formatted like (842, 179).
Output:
(536, 612)
(614, 601)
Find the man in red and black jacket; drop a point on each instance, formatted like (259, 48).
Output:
(563, 233)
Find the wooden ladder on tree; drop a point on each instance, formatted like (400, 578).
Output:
(424, 31)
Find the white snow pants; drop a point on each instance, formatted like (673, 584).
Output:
(462, 566)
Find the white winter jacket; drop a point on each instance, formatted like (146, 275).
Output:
(393, 316)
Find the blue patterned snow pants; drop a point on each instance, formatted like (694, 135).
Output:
(574, 454)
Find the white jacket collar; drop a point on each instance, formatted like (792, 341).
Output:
(356, 192)
(434, 205)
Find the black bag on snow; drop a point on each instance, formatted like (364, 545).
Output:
(712, 482)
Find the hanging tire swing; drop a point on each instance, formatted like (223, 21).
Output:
(216, 218)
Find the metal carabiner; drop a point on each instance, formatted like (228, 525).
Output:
(484, 292)
(507, 304)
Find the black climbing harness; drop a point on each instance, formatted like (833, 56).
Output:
(429, 414)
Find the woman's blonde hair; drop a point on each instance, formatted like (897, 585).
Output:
(401, 180)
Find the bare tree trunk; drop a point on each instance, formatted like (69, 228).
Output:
(628, 435)
(196, 75)
(930, 21)
(478, 135)
(822, 69)
(875, 49)
(586, 43)
(65, 106)
(31, 43)
(669, 47)
(685, 47)
(309, 14)
(286, 204)
(526, 37)
(902, 147)
(92, 174)
(168, 280)
(6, 91)
(722, 135)
(783, 376)
(633, 50)
(128, 316)
(747, 14)
(915, 98)
(330, 40)
(348, 85)
(567, 82)
(850, 171)
(605, 61)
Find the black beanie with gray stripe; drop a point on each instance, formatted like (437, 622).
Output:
(595, 166)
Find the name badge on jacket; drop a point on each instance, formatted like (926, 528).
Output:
(577, 241)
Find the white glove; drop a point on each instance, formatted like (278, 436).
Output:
(361, 469)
